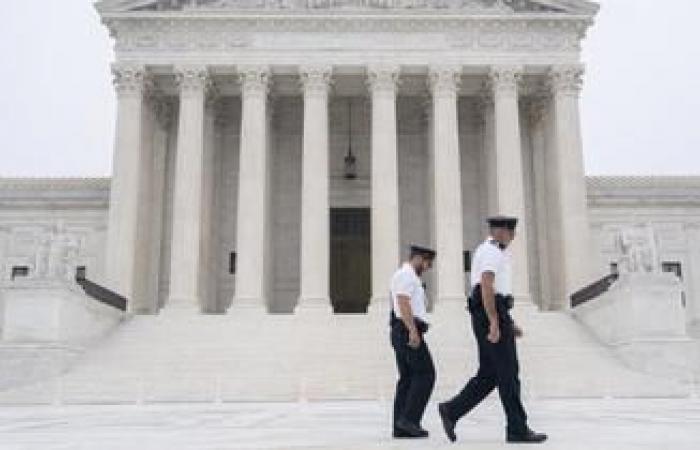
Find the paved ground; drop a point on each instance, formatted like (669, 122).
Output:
(572, 424)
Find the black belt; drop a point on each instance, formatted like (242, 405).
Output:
(421, 325)
(503, 302)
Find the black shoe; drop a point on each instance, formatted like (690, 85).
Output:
(447, 423)
(528, 437)
(398, 434)
(408, 430)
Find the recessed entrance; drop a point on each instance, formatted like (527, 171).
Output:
(350, 260)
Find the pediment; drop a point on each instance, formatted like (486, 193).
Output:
(476, 6)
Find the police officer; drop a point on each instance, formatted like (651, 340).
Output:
(409, 322)
(495, 332)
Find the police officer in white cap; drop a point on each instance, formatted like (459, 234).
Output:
(495, 331)
(409, 322)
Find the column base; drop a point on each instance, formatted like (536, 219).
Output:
(309, 305)
(248, 305)
(379, 308)
(450, 304)
(181, 306)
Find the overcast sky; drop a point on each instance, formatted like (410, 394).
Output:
(640, 106)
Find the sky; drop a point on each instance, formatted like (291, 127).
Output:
(640, 105)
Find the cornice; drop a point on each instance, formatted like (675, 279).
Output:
(337, 21)
(636, 181)
(644, 191)
(44, 183)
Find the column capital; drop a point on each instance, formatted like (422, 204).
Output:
(566, 79)
(316, 79)
(192, 79)
(504, 79)
(130, 79)
(444, 80)
(383, 78)
(254, 79)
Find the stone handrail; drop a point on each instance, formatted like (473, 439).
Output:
(101, 293)
(593, 290)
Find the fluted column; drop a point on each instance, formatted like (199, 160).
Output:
(691, 273)
(572, 257)
(510, 189)
(448, 233)
(186, 246)
(315, 214)
(253, 192)
(127, 185)
(385, 181)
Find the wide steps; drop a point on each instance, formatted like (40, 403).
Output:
(251, 356)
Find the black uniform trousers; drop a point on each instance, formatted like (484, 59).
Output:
(416, 373)
(498, 367)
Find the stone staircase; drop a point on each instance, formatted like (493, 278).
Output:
(246, 355)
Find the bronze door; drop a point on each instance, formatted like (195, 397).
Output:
(350, 260)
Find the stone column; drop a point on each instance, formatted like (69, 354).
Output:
(315, 214)
(510, 189)
(573, 255)
(253, 193)
(186, 246)
(127, 183)
(691, 274)
(448, 232)
(385, 182)
(538, 108)
(164, 117)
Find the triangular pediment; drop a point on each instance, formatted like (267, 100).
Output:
(484, 6)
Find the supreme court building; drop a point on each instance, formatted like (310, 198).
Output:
(284, 153)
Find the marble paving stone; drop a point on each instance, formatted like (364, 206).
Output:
(572, 424)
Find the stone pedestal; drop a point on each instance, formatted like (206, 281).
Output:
(642, 317)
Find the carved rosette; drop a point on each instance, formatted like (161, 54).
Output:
(193, 80)
(130, 79)
(255, 80)
(566, 79)
(316, 80)
(504, 80)
(444, 81)
(383, 80)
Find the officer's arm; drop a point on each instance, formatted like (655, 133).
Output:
(406, 312)
(488, 296)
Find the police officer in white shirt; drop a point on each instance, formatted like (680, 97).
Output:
(409, 322)
(489, 304)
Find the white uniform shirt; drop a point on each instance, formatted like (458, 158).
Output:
(488, 257)
(406, 282)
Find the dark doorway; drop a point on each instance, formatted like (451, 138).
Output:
(350, 260)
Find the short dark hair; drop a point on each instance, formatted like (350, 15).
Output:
(428, 253)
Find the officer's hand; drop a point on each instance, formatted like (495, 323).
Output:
(413, 339)
(517, 331)
(494, 333)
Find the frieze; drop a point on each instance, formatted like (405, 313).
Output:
(201, 36)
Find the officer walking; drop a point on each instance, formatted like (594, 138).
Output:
(409, 322)
(491, 298)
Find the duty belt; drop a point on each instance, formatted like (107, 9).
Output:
(503, 302)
